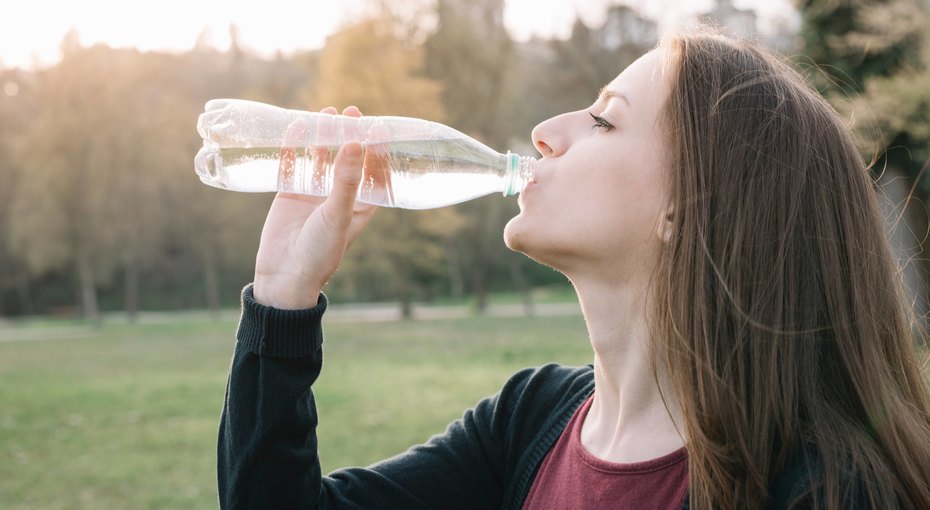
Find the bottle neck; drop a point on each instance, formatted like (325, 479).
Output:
(520, 171)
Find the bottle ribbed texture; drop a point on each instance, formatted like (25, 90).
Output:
(270, 331)
(409, 163)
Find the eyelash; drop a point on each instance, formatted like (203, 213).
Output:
(600, 123)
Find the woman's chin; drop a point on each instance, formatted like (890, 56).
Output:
(515, 234)
(519, 237)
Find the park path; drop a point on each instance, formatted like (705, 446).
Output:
(23, 331)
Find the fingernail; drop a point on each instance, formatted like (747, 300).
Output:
(353, 150)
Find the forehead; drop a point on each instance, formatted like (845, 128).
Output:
(643, 81)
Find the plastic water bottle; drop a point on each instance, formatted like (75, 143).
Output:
(408, 163)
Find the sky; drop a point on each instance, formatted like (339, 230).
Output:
(31, 30)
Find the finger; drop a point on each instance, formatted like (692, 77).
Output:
(295, 133)
(348, 172)
(322, 150)
(352, 129)
(364, 209)
(377, 187)
(287, 159)
(307, 199)
(363, 214)
(292, 205)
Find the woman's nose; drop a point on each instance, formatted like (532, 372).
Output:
(538, 141)
(546, 138)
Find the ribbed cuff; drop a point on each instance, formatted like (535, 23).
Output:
(269, 331)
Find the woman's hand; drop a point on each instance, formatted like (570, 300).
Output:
(305, 237)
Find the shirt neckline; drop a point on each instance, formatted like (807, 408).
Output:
(619, 468)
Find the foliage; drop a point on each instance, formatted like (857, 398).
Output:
(367, 65)
(874, 58)
(100, 209)
(858, 39)
(878, 50)
(899, 106)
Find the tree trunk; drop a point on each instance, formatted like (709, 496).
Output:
(454, 265)
(87, 287)
(403, 291)
(918, 267)
(23, 293)
(211, 282)
(478, 274)
(902, 225)
(519, 282)
(486, 228)
(131, 286)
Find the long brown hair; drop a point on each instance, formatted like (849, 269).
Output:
(780, 314)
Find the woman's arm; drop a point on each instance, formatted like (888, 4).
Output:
(268, 445)
(267, 438)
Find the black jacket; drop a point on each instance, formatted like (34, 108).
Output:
(267, 451)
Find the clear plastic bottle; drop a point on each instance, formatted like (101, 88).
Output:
(409, 163)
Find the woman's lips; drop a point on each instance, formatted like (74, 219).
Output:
(533, 179)
(528, 187)
(532, 183)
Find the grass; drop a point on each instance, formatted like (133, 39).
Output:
(125, 416)
(561, 293)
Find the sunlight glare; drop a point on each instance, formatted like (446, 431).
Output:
(31, 37)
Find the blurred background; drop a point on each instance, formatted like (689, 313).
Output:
(120, 272)
(101, 212)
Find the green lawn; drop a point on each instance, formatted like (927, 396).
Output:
(125, 417)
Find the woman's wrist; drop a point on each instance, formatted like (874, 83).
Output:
(284, 295)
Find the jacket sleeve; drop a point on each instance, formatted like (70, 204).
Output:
(267, 445)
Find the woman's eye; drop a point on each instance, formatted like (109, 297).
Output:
(599, 122)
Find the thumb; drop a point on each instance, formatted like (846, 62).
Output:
(346, 176)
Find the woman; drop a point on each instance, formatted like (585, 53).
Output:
(752, 342)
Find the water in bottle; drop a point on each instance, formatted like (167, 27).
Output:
(408, 163)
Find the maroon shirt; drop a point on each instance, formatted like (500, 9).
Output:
(570, 477)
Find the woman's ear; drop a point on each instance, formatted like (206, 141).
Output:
(666, 225)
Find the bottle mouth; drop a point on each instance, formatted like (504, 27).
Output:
(520, 171)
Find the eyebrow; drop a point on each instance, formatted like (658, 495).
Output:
(605, 94)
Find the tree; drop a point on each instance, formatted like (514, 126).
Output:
(859, 39)
(879, 49)
(215, 231)
(17, 108)
(592, 57)
(367, 65)
(472, 55)
(65, 210)
(897, 95)
(104, 185)
(899, 106)
(96, 164)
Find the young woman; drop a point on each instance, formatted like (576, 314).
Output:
(753, 347)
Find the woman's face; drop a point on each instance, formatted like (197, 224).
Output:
(600, 187)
